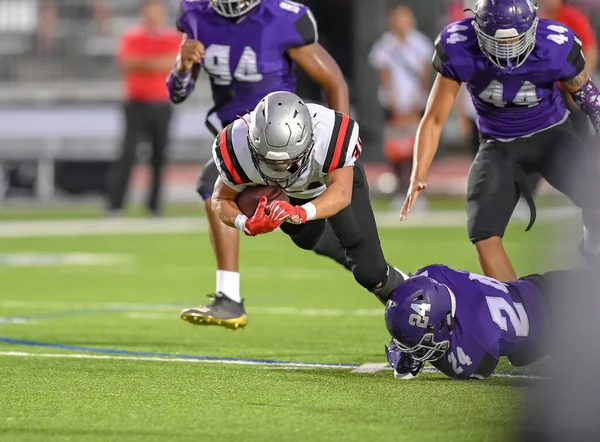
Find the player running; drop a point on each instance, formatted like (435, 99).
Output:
(462, 323)
(248, 48)
(311, 153)
(511, 61)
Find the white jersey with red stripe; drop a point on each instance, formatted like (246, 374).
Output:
(337, 145)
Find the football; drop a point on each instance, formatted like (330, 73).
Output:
(248, 199)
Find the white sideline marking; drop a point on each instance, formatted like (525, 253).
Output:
(59, 305)
(288, 365)
(152, 311)
(99, 227)
(159, 359)
(36, 259)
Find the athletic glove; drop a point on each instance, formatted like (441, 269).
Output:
(405, 367)
(281, 210)
(260, 223)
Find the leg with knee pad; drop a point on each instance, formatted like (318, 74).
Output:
(356, 230)
(331, 247)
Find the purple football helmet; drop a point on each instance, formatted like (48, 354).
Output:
(420, 318)
(233, 8)
(506, 30)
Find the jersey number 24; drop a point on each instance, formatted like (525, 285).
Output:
(498, 305)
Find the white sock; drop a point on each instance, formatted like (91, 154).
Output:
(228, 283)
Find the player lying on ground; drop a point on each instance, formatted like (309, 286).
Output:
(248, 48)
(511, 62)
(462, 323)
(311, 152)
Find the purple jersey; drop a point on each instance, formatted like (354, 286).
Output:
(517, 103)
(492, 319)
(247, 58)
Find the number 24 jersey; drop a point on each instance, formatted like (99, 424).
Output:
(493, 319)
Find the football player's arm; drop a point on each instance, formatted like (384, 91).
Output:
(184, 74)
(224, 204)
(322, 69)
(439, 104)
(587, 96)
(338, 195)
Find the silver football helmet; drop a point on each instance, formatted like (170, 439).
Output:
(281, 138)
(233, 8)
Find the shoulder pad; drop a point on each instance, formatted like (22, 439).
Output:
(563, 45)
(227, 160)
(198, 7)
(299, 27)
(456, 48)
(195, 5)
(344, 139)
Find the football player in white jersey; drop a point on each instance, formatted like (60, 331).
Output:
(311, 152)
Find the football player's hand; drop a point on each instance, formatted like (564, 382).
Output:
(190, 53)
(283, 211)
(260, 223)
(416, 187)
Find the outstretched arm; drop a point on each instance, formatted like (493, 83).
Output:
(182, 78)
(587, 96)
(323, 69)
(440, 102)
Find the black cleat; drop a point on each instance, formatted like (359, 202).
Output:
(221, 311)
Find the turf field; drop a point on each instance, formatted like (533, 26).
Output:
(92, 347)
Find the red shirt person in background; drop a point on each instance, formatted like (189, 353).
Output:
(145, 56)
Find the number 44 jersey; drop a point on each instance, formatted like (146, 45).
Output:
(512, 103)
(246, 58)
(493, 319)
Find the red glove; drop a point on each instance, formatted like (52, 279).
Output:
(259, 223)
(283, 211)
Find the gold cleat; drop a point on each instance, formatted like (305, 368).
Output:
(222, 311)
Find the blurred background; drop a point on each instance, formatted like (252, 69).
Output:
(61, 98)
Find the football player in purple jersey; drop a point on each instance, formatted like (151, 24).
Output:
(511, 62)
(248, 48)
(462, 323)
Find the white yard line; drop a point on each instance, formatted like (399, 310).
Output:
(153, 311)
(167, 359)
(99, 227)
(39, 259)
(363, 369)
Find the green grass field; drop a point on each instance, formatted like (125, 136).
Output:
(83, 386)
